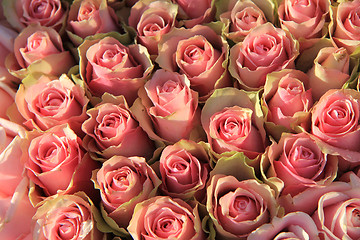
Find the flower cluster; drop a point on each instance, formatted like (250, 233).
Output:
(179, 119)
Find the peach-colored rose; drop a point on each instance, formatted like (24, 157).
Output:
(346, 23)
(195, 12)
(46, 101)
(232, 124)
(295, 225)
(38, 49)
(330, 71)
(56, 162)
(165, 218)
(152, 19)
(89, 17)
(106, 65)
(287, 98)
(124, 182)
(171, 106)
(335, 120)
(184, 169)
(67, 217)
(112, 130)
(266, 49)
(238, 207)
(7, 96)
(199, 53)
(49, 13)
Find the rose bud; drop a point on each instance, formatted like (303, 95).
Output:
(171, 107)
(295, 225)
(56, 163)
(241, 17)
(184, 169)
(165, 218)
(286, 101)
(330, 71)
(51, 13)
(299, 163)
(124, 182)
(38, 49)
(152, 19)
(195, 13)
(238, 207)
(231, 123)
(47, 101)
(106, 65)
(7, 96)
(199, 53)
(266, 49)
(307, 21)
(345, 28)
(112, 130)
(335, 120)
(67, 217)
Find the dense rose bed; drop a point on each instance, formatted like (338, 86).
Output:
(182, 119)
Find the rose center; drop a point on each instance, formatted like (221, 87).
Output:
(294, 88)
(355, 219)
(120, 180)
(193, 53)
(168, 226)
(355, 18)
(66, 229)
(337, 113)
(86, 11)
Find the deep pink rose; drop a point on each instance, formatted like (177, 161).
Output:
(46, 101)
(152, 19)
(266, 49)
(165, 218)
(237, 208)
(106, 65)
(124, 182)
(195, 13)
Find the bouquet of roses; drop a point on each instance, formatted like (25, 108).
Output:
(179, 119)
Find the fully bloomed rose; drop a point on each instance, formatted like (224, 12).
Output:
(106, 65)
(345, 28)
(112, 130)
(335, 120)
(195, 12)
(232, 123)
(67, 217)
(124, 182)
(287, 99)
(171, 108)
(199, 53)
(266, 49)
(165, 218)
(46, 101)
(50, 13)
(184, 169)
(238, 207)
(38, 49)
(330, 70)
(152, 19)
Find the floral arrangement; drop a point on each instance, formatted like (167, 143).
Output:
(182, 119)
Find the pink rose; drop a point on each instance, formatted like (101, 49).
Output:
(335, 120)
(195, 13)
(152, 19)
(66, 217)
(295, 225)
(299, 163)
(237, 208)
(124, 182)
(171, 106)
(106, 65)
(46, 101)
(241, 17)
(184, 169)
(112, 130)
(89, 17)
(38, 49)
(7, 96)
(266, 49)
(56, 162)
(165, 218)
(287, 98)
(345, 29)
(330, 71)
(199, 53)
(231, 123)
(21, 13)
